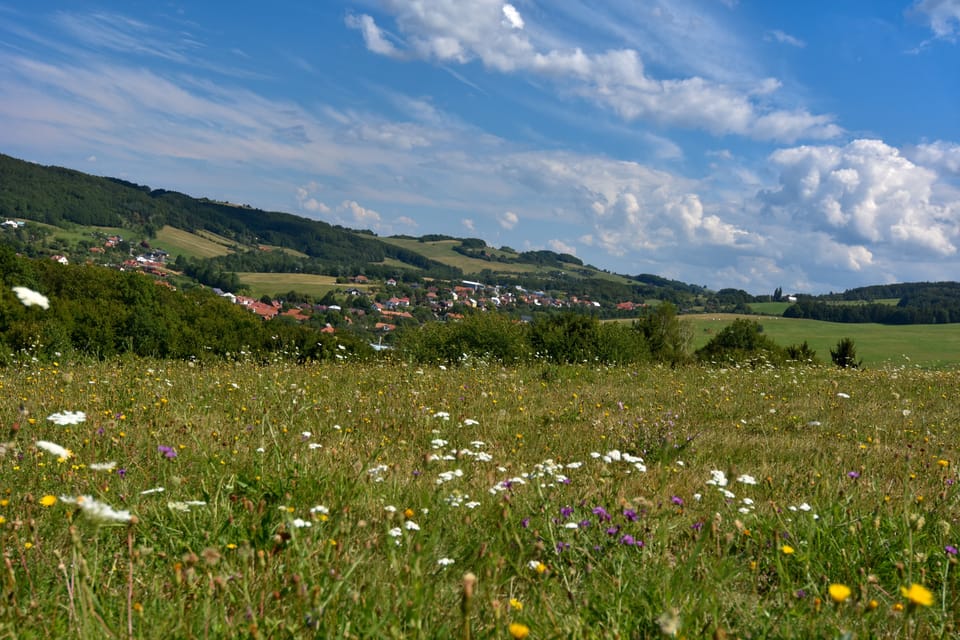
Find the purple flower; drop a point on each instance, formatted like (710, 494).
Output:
(566, 512)
(584, 524)
(677, 500)
(853, 474)
(614, 530)
(525, 523)
(600, 511)
(630, 515)
(630, 541)
(950, 549)
(122, 473)
(696, 526)
(168, 452)
(800, 593)
(562, 545)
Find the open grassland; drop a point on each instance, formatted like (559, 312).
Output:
(350, 500)
(442, 251)
(272, 284)
(78, 234)
(932, 345)
(179, 242)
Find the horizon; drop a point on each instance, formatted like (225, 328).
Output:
(712, 142)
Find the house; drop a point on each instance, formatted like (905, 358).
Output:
(59, 258)
(391, 282)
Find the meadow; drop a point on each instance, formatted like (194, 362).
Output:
(382, 500)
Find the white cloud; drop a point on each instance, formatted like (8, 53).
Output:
(785, 38)
(940, 155)
(468, 225)
(373, 36)
(452, 32)
(508, 219)
(359, 217)
(864, 192)
(512, 17)
(942, 16)
(562, 247)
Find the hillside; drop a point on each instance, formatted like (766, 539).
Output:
(206, 240)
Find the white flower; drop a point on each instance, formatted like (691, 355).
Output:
(410, 525)
(718, 478)
(103, 466)
(743, 510)
(472, 504)
(185, 505)
(571, 525)
(574, 465)
(396, 532)
(55, 449)
(299, 523)
(442, 414)
(469, 422)
(305, 434)
(841, 394)
(390, 508)
(445, 562)
(314, 445)
(319, 509)
(98, 510)
(478, 444)
(745, 479)
(67, 417)
(438, 443)
(805, 507)
(154, 490)
(728, 494)
(29, 297)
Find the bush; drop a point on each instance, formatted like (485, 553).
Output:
(480, 335)
(740, 342)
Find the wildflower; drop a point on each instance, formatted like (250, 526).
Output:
(98, 510)
(299, 523)
(917, 594)
(410, 525)
(787, 549)
(839, 592)
(843, 395)
(516, 605)
(518, 631)
(55, 449)
(445, 562)
(537, 566)
(630, 515)
(103, 466)
(147, 492)
(322, 510)
(31, 298)
(718, 478)
(602, 513)
(746, 479)
(677, 500)
(66, 418)
(168, 452)
(48, 501)
(853, 474)
(396, 532)
(950, 549)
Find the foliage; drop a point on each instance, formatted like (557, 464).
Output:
(481, 335)
(844, 355)
(740, 342)
(668, 339)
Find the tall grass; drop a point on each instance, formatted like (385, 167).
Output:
(349, 500)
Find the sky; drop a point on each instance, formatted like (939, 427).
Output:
(812, 146)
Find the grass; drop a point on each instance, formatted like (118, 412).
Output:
(930, 345)
(442, 251)
(179, 242)
(278, 283)
(350, 500)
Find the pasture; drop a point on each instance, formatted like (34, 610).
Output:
(926, 345)
(273, 284)
(149, 499)
(192, 245)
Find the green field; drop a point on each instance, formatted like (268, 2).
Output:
(271, 284)
(931, 346)
(179, 242)
(373, 499)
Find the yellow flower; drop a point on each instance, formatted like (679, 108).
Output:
(408, 513)
(787, 549)
(518, 631)
(48, 500)
(917, 594)
(839, 592)
(943, 463)
(516, 605)
(898, 606)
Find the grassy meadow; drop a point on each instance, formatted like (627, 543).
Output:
(272, 284)
(930, 345)
(380, 500)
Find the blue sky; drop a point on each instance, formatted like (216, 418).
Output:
(813, 146)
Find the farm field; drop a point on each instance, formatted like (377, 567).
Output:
(442, 251)
(277, 283)
(146, 499)
(924, 345)
(177, 241)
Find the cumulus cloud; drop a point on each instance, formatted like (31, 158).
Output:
(864, 192)
(309, 203)
(508, 219)
(512, 17)
(359, 216)
(407, 221)
(942, 16)
(940, 155)
(562, 247)
(617, 79)
(468, 225)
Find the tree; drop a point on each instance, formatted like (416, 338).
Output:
(845, 355)
(777, 294)
(667, 337)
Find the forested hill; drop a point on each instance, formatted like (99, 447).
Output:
(55, 196)
(916, 303)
